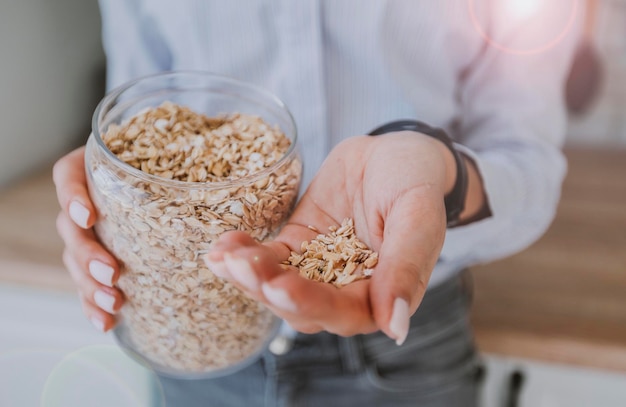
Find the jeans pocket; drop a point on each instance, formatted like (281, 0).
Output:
(433, 360)
(424, 384)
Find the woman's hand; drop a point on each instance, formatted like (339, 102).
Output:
(92, 268)
(393, 186)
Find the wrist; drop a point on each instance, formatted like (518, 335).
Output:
(450, 166)
(456, 171)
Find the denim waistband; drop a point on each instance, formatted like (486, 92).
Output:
(323, 352)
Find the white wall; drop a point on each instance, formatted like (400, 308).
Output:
(605, 124)
(51, 67)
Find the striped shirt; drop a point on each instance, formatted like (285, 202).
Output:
(491, 73)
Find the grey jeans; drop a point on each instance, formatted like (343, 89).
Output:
(435, 367)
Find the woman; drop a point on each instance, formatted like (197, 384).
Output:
(489, 77)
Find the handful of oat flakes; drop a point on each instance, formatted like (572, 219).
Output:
(338, 257)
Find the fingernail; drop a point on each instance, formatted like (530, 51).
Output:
(216, 266)
(101, 272)
(79, 214)
(97, 322)
(241, 271)
(104, 301)
(399, 324)
(278, 298)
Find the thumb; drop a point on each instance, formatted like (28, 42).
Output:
(413, 237)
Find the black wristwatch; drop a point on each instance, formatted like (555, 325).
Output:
(455, 200)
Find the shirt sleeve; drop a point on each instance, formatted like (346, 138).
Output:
(132, 43)
(513, 124)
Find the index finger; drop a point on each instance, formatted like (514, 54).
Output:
(70, 180)
(255, 269)
(259, 269)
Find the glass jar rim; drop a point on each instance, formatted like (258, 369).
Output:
(111, 96)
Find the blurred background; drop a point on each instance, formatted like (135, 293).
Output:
(551, 321)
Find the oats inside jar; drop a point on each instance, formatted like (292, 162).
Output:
(215, 174)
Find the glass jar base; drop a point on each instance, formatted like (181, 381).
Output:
(122, 337)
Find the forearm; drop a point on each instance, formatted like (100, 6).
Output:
(522, 187)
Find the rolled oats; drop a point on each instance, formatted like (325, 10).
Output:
(337, 257)
(177, 313)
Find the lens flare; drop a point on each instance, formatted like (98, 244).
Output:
(522, 9)
(524, 27)
(101, 376)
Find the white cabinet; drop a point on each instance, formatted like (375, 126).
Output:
(550, 385)
(50, 355)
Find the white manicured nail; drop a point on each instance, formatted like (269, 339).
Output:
(79, 214)
(241, 271)
(101, 272)
(97, 323)
(104, 301)
(217, 267)
(278, 298)
(399, 324)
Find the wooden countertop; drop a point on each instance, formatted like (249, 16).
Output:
(561, 300)
(30, 249)
(564, 298)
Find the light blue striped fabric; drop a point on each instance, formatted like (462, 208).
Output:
(344, 67)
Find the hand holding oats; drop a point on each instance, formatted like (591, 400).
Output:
(396, 208)
(164, 181)
(94, 270)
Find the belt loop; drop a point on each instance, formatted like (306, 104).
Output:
(467, 285)
(269, 363)
(351, 353)
(270, 379)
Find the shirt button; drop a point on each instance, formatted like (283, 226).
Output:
(281, 344)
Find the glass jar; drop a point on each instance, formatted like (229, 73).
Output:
(178, 317)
